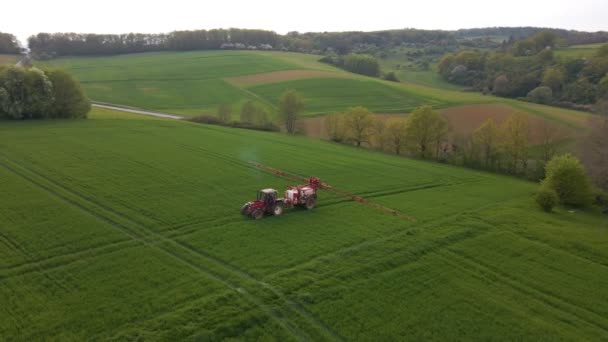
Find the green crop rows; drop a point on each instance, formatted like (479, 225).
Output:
(129, 228)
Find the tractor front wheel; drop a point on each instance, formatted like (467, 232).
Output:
(257, 214)
(245, 209)
(310, 203)
(278, 209)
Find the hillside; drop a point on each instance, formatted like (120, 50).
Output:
(128, 227)
(191, 83)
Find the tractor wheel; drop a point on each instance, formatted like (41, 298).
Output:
(278, 209)
(310, 203)
(257, 214)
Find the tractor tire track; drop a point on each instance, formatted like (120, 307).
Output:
(61, 261)
(155, 245)
(368, 243)
(556, 302)
(158, 241)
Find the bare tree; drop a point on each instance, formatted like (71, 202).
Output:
(290, 106)
(515, 133)
(335, 127)
(486, 142)
(426, 130)
(594, 148)
(360, 123)
(224, 112)
(378, 137)
(396, 133)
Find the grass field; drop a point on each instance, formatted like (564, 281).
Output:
(123, 227)
(578, 51)
(193, 83)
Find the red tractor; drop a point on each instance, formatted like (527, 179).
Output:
(268, 201)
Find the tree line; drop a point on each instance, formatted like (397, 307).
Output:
(9, 44)
(571, 37)
(529, 70)
(31, 93)
(50, 45)
(501, 148)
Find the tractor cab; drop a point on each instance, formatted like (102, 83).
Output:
(267, 195)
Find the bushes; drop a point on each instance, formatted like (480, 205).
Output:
(566, 176)
(30, 93)
(390, 76)
(214, 120)
(24, 93)
(542, 95)
(69, 98)
(547, 198)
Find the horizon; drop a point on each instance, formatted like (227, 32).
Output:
(316, 16)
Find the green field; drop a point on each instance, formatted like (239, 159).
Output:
(193, 83)
(578, 51)
(124, 227)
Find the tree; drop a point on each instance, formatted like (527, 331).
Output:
(224, 112)
(566, 176)
(9, 44)
(378, 136)
(515, 131)
(581, 91)
(501, 86)
(426, 129)
(594, 149)
(69, 100)
(547, 198)
(335, 127)
(248, 112)
(290, 106)
(359, 124)
(602, 51)
(486, 143)
(554, 78)
(542, 95)
(25, 94)
(396, 134)
(362, 64)
(603, 87)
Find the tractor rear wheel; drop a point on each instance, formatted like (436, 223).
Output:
(257, 214)
(278, 209)
(310, 203)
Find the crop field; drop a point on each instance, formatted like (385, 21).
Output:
(9, 59)
(125, 227)
(193, 83)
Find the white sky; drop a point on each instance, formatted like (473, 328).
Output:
(24, 18)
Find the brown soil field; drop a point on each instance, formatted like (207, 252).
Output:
(281, 76)
(463, 120)
(8, 59)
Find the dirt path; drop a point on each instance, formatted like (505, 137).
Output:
(139, 111)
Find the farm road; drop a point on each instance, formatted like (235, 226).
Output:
(139, 111)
